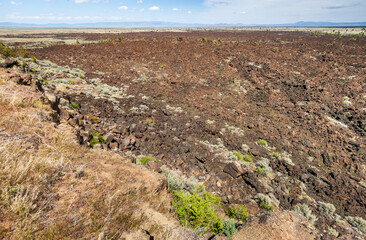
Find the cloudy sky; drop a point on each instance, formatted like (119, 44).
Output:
(183, 11)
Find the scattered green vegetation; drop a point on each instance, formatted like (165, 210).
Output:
(255, 43)
(229, 228)
(238, 212)
(150, 122)
(263, 167)
(120, 39)
(6, 50)
(21, 52)
(258, 170)
(175, 181)
(264, 202)
(276, 155)
(33, 59)
(144, 160)
(305, 211)
(332, 232)
(326, 208)
(77, 42)
(262, 143)
(316, 33)
(265, 205)
(206, 40)
(198, 211)
(275, 49)
(74, 106)
(352, 39)
(238, 155)
(94, 119)
(97, 138)
(358, 223)
(247, 158)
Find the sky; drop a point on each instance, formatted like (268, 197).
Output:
(183, 11)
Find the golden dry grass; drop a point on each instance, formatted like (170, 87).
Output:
(53, 188)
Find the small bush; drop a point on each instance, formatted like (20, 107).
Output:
(305, 211)
(264, 202)
(74, 106)
(326, 208)
(21, 52)
(144, 160)
(198, 211)
(33, 59)
(358, 223)
(229, 228)
(238, 212)
(276, 155)
(265, 206)
(248, 158)
(259, 170)
(238, 155)
(332, 232)
(97, 138)
(175, 182)
(6, 50)
(262, 143)
(275, 50)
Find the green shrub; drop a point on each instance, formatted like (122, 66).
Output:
(332, 232)
(198, 211)
(238, 155)
(238, 212)
(265, 206)
(276, 155)
(264, 202)
(6, 50)
(326, 208)
(33, 59)
(259, 170)
(262, 143)
(358, 223)
(248, 158)
(229, 228)
(21, 52)
(97, 138)
(144, 160)
(263, 167)
(305, 211)
(73, 105)
(175, 182)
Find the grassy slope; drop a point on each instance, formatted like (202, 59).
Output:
(53, 188)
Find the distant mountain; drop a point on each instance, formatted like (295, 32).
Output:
(174, 24)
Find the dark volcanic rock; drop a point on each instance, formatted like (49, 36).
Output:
(233, 169)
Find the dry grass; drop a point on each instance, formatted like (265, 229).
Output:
(53, 188)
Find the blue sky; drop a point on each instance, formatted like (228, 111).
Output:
(184, 11)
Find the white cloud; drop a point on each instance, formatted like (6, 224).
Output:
(15, 3)
(176, 9)
(123, 8)
(85, 1)
(52, 17)
(243, 12)
(154, 8)
(139, 2)
(80, 1)
(189, 12)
